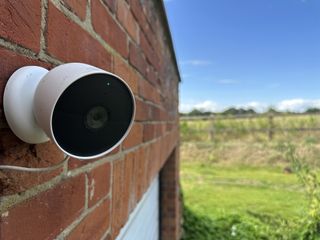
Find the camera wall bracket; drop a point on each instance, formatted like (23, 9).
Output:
(18, 104)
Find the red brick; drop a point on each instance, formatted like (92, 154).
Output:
(108, 29)
(20, 22)
(141, 172)
(131, 161)
(170, 211)
(149, 92)
(148, 132)
(76, 163)
(148, 50)
(13, 151)
(111, 4)
(156, 113)
(128, 184)
(73, 44)
(142, 110)
(99, 183)
(125, 71)
(108, 237)
(152, 76)
(117, 188)
(163, 115)
(93, 226)
(78, 7)
(147, 29)
(169, 127)
(47, 214)
(150, 164)
(48, 152)
(160, 129)
(135, 136)
(136, 9)
(127, 20)
(137, 60)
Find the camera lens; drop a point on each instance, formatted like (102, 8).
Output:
(96, 118)
(92, 115)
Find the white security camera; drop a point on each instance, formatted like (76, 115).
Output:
(85, 110)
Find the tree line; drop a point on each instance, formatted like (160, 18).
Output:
(242, 111)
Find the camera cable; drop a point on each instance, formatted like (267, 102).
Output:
(30, 169)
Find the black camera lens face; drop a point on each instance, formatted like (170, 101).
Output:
(92, 115)
(96, 118)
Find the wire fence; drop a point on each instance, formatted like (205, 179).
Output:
(269, 124)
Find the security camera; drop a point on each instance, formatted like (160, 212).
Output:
(84, 110)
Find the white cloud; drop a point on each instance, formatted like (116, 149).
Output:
(196, 62)
(203, 106)
(298, 104)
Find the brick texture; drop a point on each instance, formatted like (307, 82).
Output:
(170, 198)
(135, 136)
(111, 4)
(45, 215)
(117, 198)
(99, 183)
(19, 19)
(94, 225)
(127, 20)
(92, 199)
(108, 29)
(127, 73)
(78, 7)
(137, 60)
(84, 48)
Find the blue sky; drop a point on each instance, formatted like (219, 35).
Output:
(247, 53)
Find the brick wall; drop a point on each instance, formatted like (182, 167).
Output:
(91, 199)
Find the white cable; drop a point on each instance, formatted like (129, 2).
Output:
(27, 169)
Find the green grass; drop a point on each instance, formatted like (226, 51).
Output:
(235, 186)
(220, 191)
(238, 189)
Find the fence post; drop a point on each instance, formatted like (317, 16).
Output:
(270, 126)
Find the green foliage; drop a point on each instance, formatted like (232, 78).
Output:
(240, 201)
(313, 110)
(310, 224)
(242, 186)
(237, 227)
(197, 227)
(238, 111)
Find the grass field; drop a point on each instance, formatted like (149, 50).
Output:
(246, 188)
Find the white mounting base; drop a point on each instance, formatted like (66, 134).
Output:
(18, 104)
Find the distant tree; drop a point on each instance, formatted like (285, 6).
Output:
(272, 111)
(313, 110)
(238, 111)
(250, 111)
(199, 112)
(195, 112)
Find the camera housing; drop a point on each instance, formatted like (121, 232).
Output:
(84, 110)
